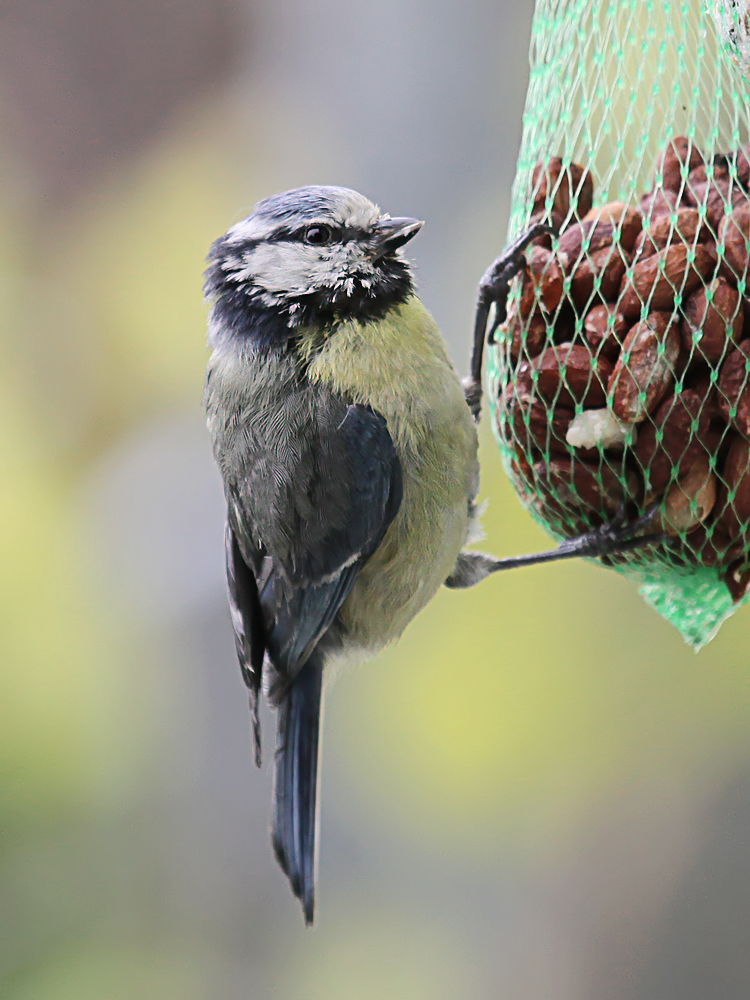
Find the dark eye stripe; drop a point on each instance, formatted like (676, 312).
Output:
(339, 234)
(288, 235)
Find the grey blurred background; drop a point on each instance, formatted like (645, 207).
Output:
(539, 793)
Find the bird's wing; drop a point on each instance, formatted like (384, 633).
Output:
(249, 629)
(302, 520)
(320, 482)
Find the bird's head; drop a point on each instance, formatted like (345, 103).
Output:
(314, 255)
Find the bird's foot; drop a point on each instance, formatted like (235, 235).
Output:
(613, 538)
(494, 287)
(616, 536)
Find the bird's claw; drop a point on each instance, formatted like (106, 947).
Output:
(494, 284)
(494, 287)
(616, 536)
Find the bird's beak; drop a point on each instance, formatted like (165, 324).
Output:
(390, 234)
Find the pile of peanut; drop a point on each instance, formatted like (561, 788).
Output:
(630, 354)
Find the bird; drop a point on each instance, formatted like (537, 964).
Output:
(348, 456)
(347, 447)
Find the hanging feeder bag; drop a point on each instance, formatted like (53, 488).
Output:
(620, 379)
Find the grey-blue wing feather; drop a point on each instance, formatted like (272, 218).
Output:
(301, 590)
(373, 478)
(300, 526)
(249, 629)
(300, 620)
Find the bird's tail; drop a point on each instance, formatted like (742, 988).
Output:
(296, 783)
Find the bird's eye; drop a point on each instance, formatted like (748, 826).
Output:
(318, 235)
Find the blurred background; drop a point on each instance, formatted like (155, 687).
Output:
(541, 792)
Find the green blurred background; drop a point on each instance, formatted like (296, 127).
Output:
(539, 793)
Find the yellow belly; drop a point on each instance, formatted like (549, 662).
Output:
(399, 367)
(414, 559)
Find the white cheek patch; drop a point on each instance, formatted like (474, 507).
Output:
(283, 267)
(275, 267)
(289, 270)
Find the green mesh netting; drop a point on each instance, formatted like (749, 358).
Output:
(621, 376)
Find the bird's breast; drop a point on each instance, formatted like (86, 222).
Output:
(399, 367)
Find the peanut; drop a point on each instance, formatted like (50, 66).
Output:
(644, 371)
(712, 318)
(655, 281)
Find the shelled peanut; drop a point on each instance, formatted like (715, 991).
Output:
(630, 357)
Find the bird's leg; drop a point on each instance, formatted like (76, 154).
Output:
(613, 538)
(617, 536)
(493, 289)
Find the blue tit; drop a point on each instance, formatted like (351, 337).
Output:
(348, 451)
(349, 460)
